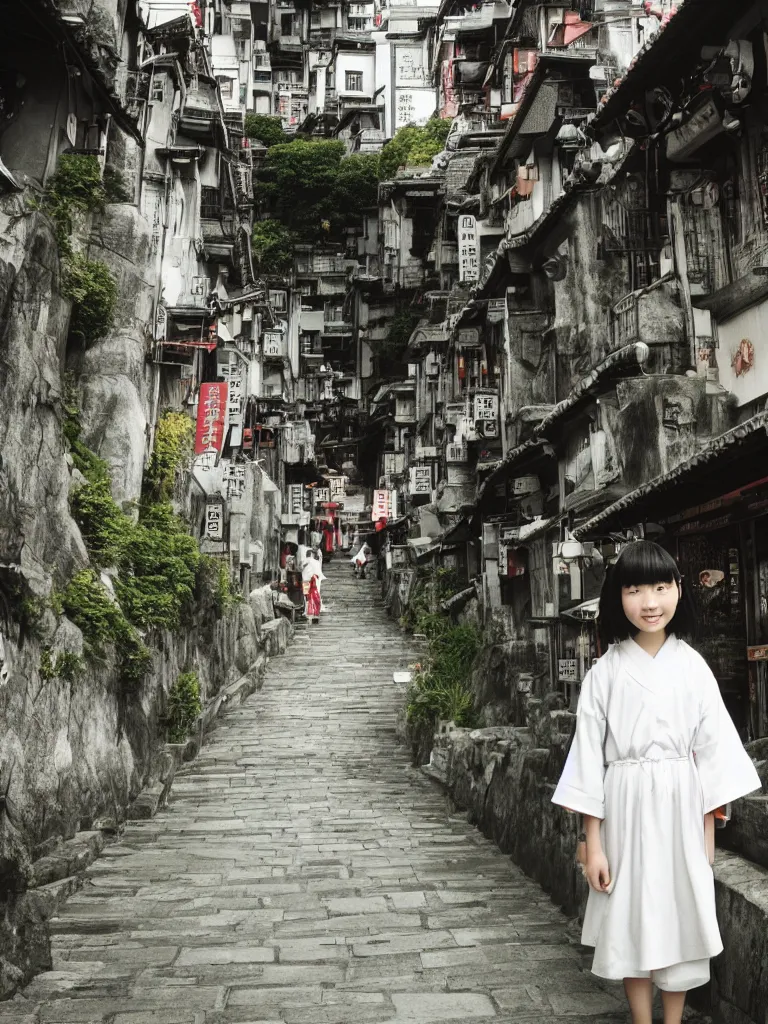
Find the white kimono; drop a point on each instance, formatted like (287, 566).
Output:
(654, 750)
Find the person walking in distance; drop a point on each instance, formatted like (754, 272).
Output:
(655, 756)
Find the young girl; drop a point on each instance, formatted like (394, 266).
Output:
(654, 755)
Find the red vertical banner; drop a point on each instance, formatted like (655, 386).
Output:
(211, 418)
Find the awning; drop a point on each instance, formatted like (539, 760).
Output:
(535, 447)
(675, 48)
(711, 473)
(636, 354)
(531, 531)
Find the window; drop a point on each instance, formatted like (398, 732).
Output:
(158, 90)
(225, 86)
(354, 81)
(286, 24)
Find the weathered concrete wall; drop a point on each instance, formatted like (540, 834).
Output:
(504, 778)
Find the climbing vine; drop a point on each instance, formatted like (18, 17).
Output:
(172, 449)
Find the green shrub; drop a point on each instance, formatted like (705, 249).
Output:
(87, 603)
(158, 569)
(214, 584)
(173, 447)
(273, 246)
(104, 526)
(414, 145)
(75, 187)
(183, 706)
(66, 665)
(440, 687)
(430, 701)
(93, 292)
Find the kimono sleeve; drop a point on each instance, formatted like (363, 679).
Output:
(725, 768)
(581, 784)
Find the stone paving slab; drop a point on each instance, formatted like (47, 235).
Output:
(305, 873)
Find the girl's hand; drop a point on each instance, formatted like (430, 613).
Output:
(598, 873)
(709, 837)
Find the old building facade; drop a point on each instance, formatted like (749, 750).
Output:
(587, 254)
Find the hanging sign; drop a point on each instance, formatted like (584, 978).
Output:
(421, 479)
(380, 508)
(273, 343)
(456, 453)
(234, 376)
(234, 478)
(211, 417)
(296, 500)
(338, 487)
(567, 670)
(214, 520)
(322, 494)
(468, 262)
(497, 310)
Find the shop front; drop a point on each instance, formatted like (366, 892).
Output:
(711, 513)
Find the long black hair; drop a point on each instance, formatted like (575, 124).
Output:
(641, 562)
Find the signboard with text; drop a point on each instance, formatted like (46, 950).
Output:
(214, 520)
(211, 418)
(421, 479)
(468, 256)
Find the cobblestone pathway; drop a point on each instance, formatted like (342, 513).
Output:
(305, 873)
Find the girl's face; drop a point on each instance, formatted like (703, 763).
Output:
(650, 607)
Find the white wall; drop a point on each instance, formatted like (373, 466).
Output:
(359, 61)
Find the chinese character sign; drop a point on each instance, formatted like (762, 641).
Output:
(234, 478)
(468, 259)
(421, 479)
(296, 500)
(214, 521)
(380, 505)
(338, 487)
(211, 417)
(273, 343)
(234, 377)
(486, 408)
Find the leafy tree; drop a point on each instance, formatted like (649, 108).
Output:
(311, 188)
(357, 185)
(266, 129)
(297, 183)
(414, 145)
(272, 246)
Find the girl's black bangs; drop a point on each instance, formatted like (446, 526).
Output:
(645, 562)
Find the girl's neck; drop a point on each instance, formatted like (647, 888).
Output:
(651, 643)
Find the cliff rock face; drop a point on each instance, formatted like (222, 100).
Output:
(74, 752)
(116, 380)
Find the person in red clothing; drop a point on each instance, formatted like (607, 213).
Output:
(313, 601)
